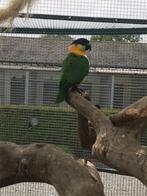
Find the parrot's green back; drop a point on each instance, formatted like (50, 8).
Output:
(74, 69)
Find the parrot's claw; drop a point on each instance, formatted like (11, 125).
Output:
(85, 161)
(79, 90)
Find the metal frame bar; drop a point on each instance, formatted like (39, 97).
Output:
(35, 67)
(27, 77)
(68, 31)
(84, 18)
(112, 91)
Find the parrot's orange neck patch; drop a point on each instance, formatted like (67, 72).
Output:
(76, 50)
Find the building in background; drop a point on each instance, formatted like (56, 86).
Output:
(30, 69)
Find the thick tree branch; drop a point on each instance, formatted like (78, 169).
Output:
(88, 136)
(93, 114)
(116, 146)
(136, 113)
(47, 163)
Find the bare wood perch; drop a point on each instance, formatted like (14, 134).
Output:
(136, 113)
(117, 142)
(47, 163)
(11, 10)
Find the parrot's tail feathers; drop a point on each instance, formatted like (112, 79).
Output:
(60, 97)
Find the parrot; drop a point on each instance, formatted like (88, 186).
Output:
(74, 67)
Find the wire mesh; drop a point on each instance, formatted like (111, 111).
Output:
(31, 55)
(114, 185)
(91, 15)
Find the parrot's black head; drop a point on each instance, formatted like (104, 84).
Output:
(83, 42)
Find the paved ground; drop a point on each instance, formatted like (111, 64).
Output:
(115, 185)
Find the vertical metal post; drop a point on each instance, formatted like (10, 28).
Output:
(27, 74)
(7, 88)
(112, 92)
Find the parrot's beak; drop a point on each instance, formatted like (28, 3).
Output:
(88, 47)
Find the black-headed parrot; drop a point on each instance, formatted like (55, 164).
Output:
(74, 68)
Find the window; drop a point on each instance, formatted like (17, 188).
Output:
(17, 92)
(128, 89)
(118, 101)
(105, 90)
(50, 90)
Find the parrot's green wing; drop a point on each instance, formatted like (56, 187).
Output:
(74, 69)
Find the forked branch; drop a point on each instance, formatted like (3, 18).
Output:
(116, 143)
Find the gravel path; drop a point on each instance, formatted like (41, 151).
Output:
(115, 185)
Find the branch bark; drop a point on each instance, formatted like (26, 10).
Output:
(12, 9)
(117, 141)
(86, 132)
(136, 113)
(47, 163)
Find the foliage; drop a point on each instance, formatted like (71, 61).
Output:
(115, 38)
(55, 125)
(60, 37)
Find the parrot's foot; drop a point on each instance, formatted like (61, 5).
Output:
(79, 90)
(82, 92)
(85, 161)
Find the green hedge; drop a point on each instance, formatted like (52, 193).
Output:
(55, 125)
